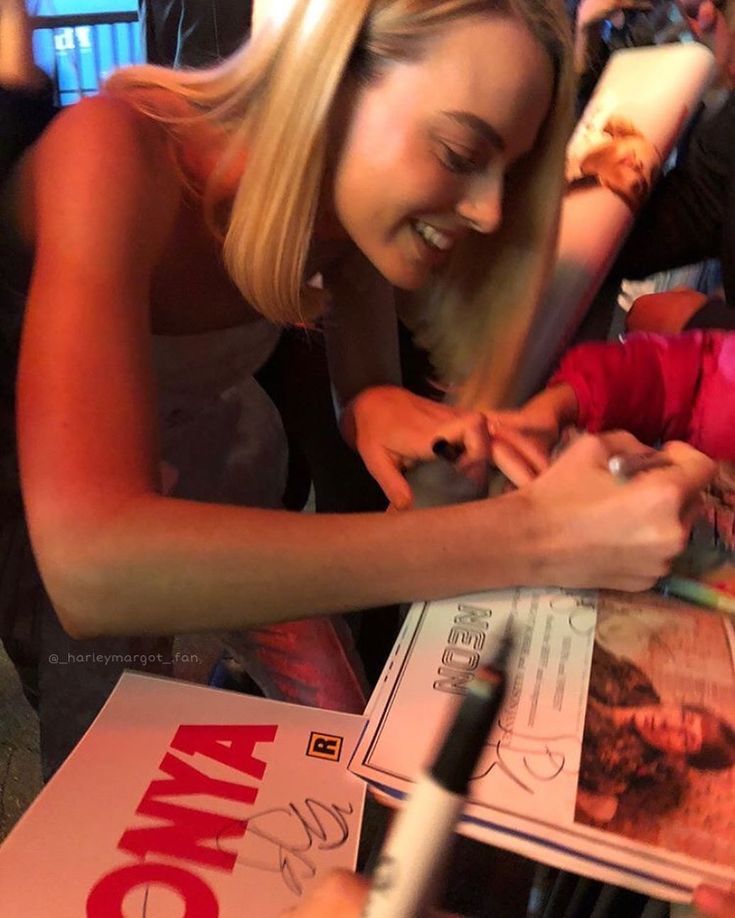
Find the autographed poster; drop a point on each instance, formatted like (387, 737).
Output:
(182, 799)
(659, 744)
(613, 754)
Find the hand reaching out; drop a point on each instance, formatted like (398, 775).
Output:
(340, 894)
(588, 27)
(593, 12)
(517, 449)
(523, 440)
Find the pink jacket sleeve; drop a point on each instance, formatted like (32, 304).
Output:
(648, 384)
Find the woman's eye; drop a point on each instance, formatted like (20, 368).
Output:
(456, 162)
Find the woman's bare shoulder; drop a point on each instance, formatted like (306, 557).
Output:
(107, 136)
(101, 155)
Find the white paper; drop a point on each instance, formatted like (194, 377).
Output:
(254, 845)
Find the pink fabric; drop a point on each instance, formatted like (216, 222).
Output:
(659, 387)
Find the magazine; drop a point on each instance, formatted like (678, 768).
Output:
(613, 754)
(182, 797)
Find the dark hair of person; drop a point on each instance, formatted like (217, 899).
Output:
(718, 741)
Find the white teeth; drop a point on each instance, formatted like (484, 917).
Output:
(433, 236)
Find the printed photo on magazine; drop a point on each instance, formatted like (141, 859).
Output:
(614, 753)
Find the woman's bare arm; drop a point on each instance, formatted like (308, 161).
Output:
(117, 557)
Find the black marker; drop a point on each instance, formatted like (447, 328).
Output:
(447, 450)
(418, 842)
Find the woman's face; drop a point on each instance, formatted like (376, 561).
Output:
(427, 144)
(670, 728)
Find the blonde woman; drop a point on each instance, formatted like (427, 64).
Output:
(372, 142)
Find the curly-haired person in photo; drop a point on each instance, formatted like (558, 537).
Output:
(637, 749)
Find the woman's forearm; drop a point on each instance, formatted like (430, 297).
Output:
(147, 563)
(556, 406)
(164, 565)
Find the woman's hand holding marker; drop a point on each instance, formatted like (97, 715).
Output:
(581, 502)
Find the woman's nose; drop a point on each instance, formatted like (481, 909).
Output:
(482, 204)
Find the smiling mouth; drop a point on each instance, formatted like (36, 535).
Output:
(435, 238)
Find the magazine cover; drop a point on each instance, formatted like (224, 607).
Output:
(614, 753)
(183, 799)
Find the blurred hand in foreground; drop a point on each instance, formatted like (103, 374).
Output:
(340, 894)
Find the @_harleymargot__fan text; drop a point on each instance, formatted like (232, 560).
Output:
(109, 659)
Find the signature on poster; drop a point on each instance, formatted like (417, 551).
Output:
(288, 839)
(531, 762)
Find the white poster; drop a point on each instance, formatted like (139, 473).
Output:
(182, 799)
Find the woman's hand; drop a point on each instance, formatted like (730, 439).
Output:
(340, 894)
(524, 439)
(392, 429)
(604, 533)
(593, 12)
(516, 448)
(714, 902)
(588, 27)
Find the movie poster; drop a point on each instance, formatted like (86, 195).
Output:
(183, 799)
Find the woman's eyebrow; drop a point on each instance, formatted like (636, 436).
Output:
(485, 130)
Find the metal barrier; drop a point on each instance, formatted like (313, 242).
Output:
(79, 51)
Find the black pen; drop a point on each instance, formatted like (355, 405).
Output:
(445, 449)
(418, 842)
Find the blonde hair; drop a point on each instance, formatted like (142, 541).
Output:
(273, 100)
